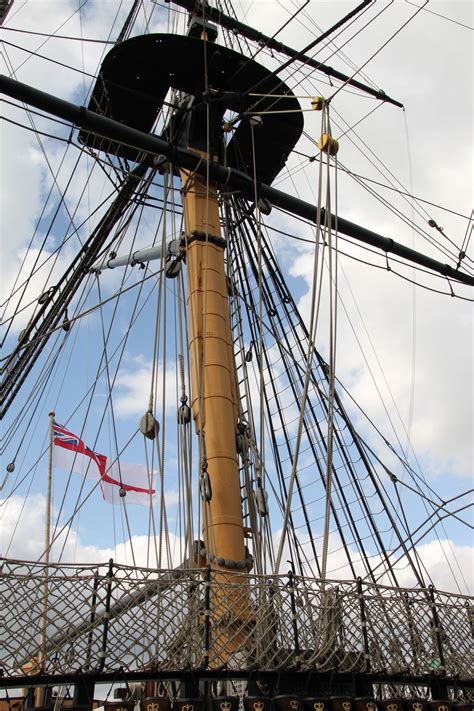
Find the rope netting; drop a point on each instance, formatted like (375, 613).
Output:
(108, 617)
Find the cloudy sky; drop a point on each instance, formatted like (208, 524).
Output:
(401, 348)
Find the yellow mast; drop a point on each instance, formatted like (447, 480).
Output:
(214, 403)
(212, 370)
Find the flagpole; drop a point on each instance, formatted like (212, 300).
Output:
(45, 560)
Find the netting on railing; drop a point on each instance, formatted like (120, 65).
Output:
(100, 619)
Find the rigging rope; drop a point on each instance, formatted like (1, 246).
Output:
(313, 323)
(333, 299)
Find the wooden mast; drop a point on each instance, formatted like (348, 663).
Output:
(213, 390)
(214, 404)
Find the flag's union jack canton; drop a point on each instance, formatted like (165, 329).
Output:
(63, 437)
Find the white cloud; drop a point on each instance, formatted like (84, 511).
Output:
(21, 534)
(133, 385)
(442, 423)
(26, 172)
(445, 564)
(441, 346)
(438, 556)
(441, 558)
